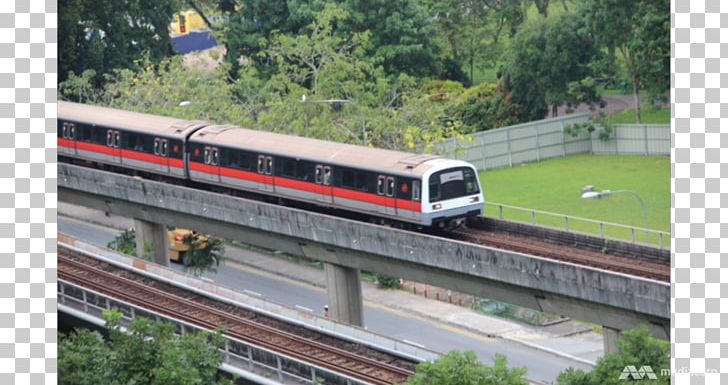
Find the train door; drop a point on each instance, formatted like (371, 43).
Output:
(323, 178)
(113, 140)
(265, 169)
(67, 144)
(161, 150)
(385, 189)
(211, 158)
(389, 193)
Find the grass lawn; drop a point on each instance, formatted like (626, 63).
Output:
(649, 116)
(555, 185)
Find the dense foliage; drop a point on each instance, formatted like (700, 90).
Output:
(636, 348)
(366, 72)
(458, 368)
(639, 32)
(105, 35)
(149, 353)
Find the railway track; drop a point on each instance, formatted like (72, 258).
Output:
(563, 253)
(350, 359)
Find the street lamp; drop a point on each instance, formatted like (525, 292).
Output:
(588, 193)
(341, 101)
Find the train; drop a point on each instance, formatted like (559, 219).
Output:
(390, 186)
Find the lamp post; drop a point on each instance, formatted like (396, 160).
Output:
(341, 101)
(589, 193)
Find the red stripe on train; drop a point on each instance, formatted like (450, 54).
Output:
(128, 154)
(304, 186)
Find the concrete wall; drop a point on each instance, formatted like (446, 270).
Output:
(588, 294)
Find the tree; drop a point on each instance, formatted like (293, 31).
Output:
(636, 348)
(457, 368)
(159, 89)
(204, 254)
(114, 34)
(483, 107)
(402, 33)
(549, 63)
(640, 32)
(149, 353)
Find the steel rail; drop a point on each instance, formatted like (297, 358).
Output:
(306, 350)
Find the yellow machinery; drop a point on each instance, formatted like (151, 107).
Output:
(177, 246)
(186, 21)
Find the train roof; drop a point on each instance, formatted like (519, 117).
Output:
(314, 149)
(128, 120)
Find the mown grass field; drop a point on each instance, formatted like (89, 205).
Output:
(649, 116)
(555, 186)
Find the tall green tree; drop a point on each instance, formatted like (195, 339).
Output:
(549, 63)
(640, 32)
(457, 368)
(148, 353)
(105, 35)
(402, 32)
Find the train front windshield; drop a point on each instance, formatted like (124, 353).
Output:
(453, 183)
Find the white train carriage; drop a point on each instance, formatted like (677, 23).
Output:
(421, 189)
(123, 138)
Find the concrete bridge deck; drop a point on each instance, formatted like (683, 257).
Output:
(614, 300)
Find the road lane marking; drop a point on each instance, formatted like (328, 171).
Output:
(304, 308)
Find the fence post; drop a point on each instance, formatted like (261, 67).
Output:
(500, 211)
(566, 222)
(647, 149)
(538, 143)
(563, 139)
(508, 142)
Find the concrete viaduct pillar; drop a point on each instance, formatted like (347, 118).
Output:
(151, 241)
(610, 339)
(343, 287)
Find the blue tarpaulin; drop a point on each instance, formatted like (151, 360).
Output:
(193, 41)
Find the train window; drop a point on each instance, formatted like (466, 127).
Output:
(390, 186)
(304, 170)
(117, 137)
(318, 174)
(207, 155)
(156, 146)
(434, 190)
(164, 148)
(287, 167)
(348, 178)
(131, 142)
(380, 185)
(109, 138)
(72, 131)
(415, 190)
(64, 131)
(215, 157)
(268, 165)
(261, 162)
(327, 175)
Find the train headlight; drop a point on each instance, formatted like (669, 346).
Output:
(474, 199)
(436, 206)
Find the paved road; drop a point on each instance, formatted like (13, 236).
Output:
(542, 366)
